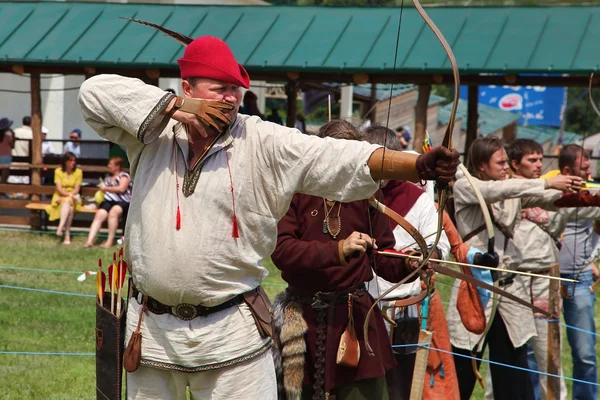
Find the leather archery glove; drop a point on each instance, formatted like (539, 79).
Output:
(439, 164)
(487, 259)
(210, 112)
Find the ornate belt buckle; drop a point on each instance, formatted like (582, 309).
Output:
(186, 312)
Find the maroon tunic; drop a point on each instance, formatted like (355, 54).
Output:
(309, 261)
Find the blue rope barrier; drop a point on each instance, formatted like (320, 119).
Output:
(62, 271)
(46, 291)
(504, 365)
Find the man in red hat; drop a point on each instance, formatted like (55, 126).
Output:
(210, 187)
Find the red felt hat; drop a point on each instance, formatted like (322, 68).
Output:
(210, 57)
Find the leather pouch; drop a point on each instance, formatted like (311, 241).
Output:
(133, 352)
(262, 311)
(470, 308)
(348, 353)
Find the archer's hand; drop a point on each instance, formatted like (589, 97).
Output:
(487, 259)
(565, 183)
(357, 242)
(203, 114)
(439, 164)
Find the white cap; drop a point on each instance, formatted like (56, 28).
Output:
(45, 130)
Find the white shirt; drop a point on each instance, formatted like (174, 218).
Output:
(70, 146)
(21, 148)
(202, 263)
(423, 216)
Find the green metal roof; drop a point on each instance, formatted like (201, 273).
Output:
(543, 134)
(490, 119)
(312, 39)
(383, 92)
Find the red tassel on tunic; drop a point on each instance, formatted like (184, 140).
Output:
(235, 232)
(178, 219)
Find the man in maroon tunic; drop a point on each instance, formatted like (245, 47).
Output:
(323, 253)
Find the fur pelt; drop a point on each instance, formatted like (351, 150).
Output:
(290, 352)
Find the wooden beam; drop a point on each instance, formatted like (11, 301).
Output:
(421, 116)
(36, 128)
(509, 132)
(472, 117)
(13, 220)
(580, 79)
(40, 189)
(84, 168)
(291, 90)
(553, 363)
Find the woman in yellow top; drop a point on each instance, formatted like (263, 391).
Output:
(66, 199)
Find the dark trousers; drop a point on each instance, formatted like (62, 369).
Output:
(399, 379)
(508, 383)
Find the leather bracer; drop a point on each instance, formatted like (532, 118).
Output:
(391, 165)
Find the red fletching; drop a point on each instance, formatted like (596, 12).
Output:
(122, 272)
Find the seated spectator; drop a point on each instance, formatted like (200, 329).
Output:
(66, 199)
(46, 145)
(117, 195)
(6, 145)
(74, 145)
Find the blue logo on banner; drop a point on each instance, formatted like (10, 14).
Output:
(538, 105)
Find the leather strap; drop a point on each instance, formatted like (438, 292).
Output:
(178, 103)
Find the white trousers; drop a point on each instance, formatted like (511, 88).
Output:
(252, 380)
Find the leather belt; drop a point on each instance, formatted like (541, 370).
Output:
(184, 311)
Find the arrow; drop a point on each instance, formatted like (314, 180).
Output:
(121, 272)
(112, 279)
(393, 253)
(100, 283)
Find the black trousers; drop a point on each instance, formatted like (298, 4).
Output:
(508, 383)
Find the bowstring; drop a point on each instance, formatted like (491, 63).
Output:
(387, 123)
(574, 266)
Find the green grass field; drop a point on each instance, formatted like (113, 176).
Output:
(34, 321)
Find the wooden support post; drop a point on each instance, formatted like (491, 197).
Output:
(472, 117)
(553, 367)
(291, 91)
(509, 132)
(373, 103)
(36, 143)
(421, 116)
(36, 128)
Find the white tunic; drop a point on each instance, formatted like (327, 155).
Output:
(423, 216)
(202, 263)
(506, 199)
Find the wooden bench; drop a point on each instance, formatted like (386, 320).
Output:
(38, 217)
(41, 207)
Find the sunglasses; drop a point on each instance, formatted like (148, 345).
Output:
(74, 137)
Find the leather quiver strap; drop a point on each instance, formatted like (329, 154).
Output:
(470, 308)
(133, 353)
(262, 311)
(348, 353)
